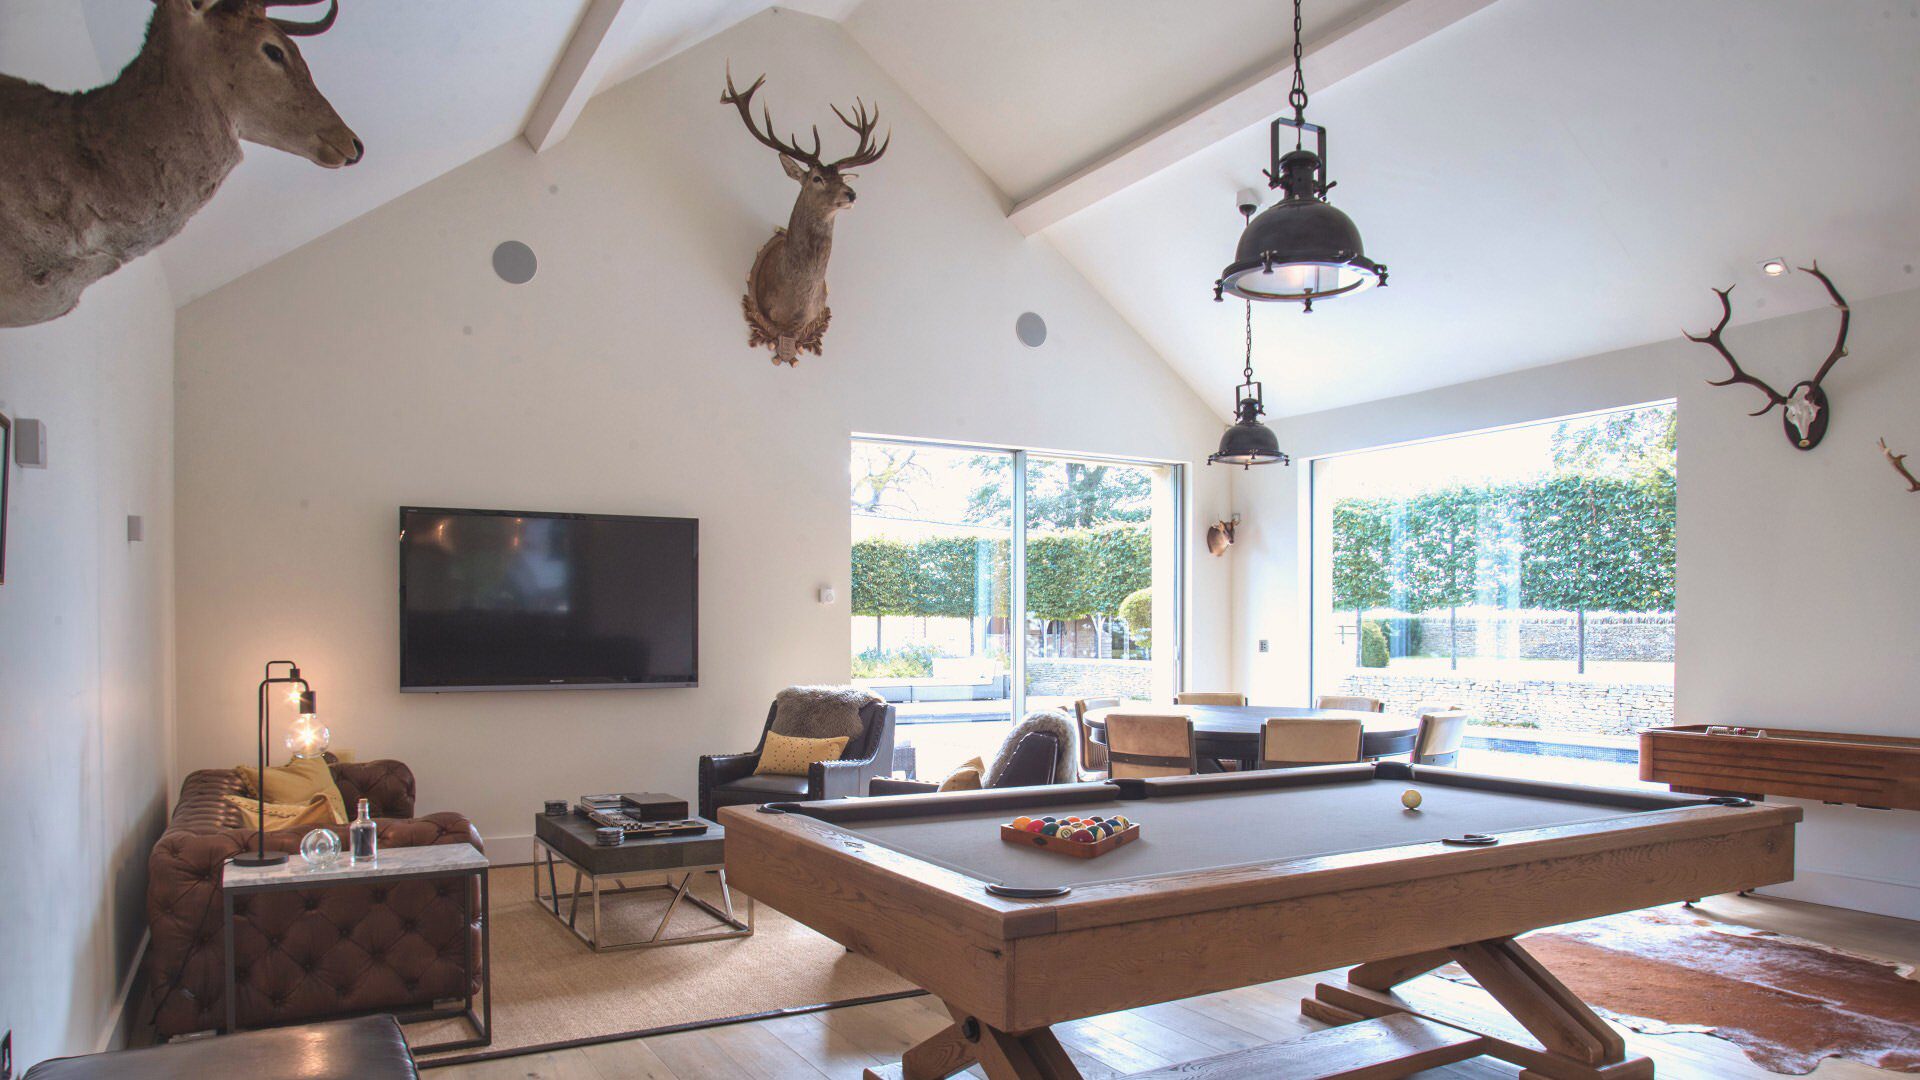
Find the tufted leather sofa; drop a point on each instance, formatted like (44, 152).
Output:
(301, 955)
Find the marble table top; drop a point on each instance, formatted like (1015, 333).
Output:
(396, 862)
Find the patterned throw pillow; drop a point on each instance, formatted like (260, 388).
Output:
(301, 816)
(966, 777)
(785, 755)
(296, 783)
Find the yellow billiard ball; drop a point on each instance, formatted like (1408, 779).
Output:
(1410, 799)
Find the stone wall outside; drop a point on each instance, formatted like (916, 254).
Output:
(1549, 635)
(1125, 679)
(1590, 708)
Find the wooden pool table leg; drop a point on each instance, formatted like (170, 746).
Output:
(1574, 1043)
(1036, 1055)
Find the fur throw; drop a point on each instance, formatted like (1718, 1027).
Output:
(821, 712)
(1054, 722)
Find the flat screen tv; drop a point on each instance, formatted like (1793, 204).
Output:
(509, 600)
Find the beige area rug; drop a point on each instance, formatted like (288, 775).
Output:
(550, 989)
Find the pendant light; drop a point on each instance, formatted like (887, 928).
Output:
(1248, 442)
(1301, 249)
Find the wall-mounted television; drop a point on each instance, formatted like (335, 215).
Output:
(515, 600)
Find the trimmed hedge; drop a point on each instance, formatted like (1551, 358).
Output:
(1071, 574)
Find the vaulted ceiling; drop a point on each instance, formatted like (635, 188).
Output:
(1545, 179)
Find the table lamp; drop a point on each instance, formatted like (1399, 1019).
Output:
(315, 736)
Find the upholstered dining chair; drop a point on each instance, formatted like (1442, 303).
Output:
(1440, 738)
(1093, 755)
(1288, 742)
(1209, 697)
(1350, 703)
(1150, 744)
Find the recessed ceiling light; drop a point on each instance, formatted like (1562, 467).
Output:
(1774, 267)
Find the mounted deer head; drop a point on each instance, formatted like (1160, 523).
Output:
(1805, 406)
(1220, 535)
(98, 178)
(786, 299)
(1899, 463)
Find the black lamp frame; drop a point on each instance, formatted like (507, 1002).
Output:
(260, 856)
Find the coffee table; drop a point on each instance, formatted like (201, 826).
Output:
(674, 860)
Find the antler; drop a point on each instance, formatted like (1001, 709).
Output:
(1712, 337)
(1899, 463)
(744, 102)
(1846, 317)
(296, 29)
(866, 153)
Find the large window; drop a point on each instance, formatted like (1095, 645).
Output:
(1526, 574)
(990, 582)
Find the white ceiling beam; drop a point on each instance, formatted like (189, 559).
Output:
(1388, 29)
(582, 67)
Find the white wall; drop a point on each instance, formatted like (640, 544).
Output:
(385, 364)
(85, 622)
(1799, 592)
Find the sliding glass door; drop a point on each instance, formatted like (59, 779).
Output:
(990, 582)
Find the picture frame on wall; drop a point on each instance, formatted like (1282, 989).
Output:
(6, 476)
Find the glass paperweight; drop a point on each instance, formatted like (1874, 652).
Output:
(320, 847)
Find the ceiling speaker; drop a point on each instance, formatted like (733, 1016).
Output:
(1031, 329)
(514, 262)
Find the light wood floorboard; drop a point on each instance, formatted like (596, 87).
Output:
(840, 1043)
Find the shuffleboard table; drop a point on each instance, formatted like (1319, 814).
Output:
(1241, 878)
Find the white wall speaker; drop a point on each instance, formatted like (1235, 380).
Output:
(30, 444)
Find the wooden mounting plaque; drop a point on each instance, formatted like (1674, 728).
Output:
(1879, 771)
(1070, 847)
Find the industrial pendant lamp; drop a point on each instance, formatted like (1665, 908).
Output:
(1300, 249)
(1248, 442)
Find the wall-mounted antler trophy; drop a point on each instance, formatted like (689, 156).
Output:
(786, 300)
(1899, 463)
(1220, 535)
(95, 179)
(1805, 406)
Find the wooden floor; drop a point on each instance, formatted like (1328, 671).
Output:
(841, 1042)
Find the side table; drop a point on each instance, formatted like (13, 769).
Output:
(399, 864)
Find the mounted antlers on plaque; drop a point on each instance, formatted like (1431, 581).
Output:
(1899, 463)
(99, 178)
(1805, 406)
(786, 299)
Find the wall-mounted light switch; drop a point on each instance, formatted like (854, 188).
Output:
(1263, 644)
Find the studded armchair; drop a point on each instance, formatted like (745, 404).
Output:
(301, 955)
(729, 779)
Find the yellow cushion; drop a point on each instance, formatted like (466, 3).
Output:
(786, 755)
(297, 782)
(314, 812)
(968, 777)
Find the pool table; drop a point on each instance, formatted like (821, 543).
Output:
(1241, 878)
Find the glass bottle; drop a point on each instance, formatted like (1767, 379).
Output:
(361, 835)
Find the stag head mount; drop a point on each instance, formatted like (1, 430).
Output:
(1220, 535)
(1804, 407)
(96, 179)
(786, 299)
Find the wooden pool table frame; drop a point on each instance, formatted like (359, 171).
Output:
(1007, 969)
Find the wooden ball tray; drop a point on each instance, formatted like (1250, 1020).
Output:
(1070, 847)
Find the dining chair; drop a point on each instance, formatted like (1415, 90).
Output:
(1349, 703)
(1209, 697)
(1093, 755)
(1150, 744)
(1288, 742)
(1440, 738)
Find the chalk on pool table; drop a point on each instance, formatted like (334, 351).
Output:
(1410, 799)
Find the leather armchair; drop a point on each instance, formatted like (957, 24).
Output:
(729, 780)
(302, 955)
(1030, 765)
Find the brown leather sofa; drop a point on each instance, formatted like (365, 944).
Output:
(302, 955)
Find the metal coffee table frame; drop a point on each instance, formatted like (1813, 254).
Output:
(681, 890)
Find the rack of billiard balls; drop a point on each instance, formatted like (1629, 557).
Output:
(1081, 837)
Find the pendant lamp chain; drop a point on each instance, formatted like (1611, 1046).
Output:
(1297, 97)
(1249, 369)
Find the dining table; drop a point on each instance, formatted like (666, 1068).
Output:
(1232, 732)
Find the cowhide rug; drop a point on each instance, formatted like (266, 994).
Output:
(1786, 1003)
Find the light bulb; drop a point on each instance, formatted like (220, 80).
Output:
(308, 738)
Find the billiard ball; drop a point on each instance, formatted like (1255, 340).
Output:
(1410, 799)
(1035, 826)
(1022, 822)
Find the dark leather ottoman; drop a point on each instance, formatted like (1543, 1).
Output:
(369, 1048)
